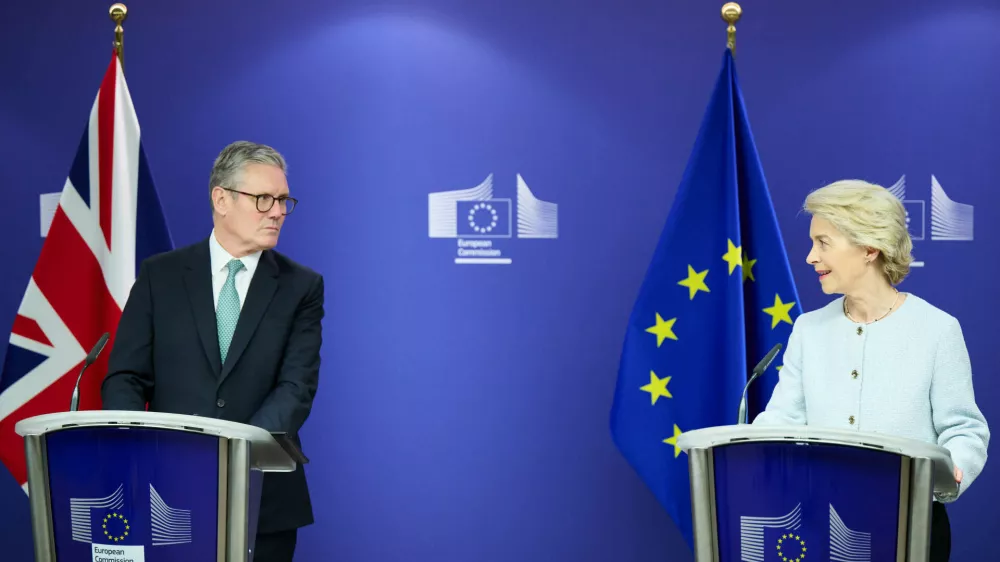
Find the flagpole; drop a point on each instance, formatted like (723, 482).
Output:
(731, 13)
(118, 13)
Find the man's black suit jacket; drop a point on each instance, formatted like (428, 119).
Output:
(166, 354)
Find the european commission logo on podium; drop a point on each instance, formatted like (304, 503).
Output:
(480, 222)
(950, 220)
(762, 537)
(113, 532)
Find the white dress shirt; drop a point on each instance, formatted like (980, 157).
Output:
(220, 272)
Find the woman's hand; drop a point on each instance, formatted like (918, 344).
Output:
(958, 475)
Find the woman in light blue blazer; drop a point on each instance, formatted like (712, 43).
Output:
(877, 359)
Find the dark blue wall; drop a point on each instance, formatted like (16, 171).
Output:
(463, 410)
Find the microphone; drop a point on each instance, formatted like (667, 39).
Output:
(760, 368)
(91, 357)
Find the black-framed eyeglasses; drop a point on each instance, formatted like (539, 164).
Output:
(265, 201)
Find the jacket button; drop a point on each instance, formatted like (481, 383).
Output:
(854, 374)
(220, 403)
(851, 419)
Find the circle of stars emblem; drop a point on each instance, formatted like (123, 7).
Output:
(788, 540)
(482, 207)
(116, 520)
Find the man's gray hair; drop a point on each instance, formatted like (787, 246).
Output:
(229, 165)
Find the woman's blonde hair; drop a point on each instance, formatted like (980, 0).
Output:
(869, 216)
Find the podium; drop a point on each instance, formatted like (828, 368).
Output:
(810, 494)
(117, 486)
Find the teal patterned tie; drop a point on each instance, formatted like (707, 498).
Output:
(227, 313)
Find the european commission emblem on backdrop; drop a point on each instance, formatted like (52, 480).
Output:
(480, 222)
(950, 220)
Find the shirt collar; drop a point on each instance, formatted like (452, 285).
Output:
(220, 257)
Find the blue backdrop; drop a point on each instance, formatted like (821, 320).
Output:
(463, 409)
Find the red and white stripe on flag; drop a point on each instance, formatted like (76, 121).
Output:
(83, 275)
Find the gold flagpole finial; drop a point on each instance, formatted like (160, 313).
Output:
(118, 13)
(731, 13)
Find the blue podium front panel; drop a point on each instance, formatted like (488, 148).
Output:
(783, 502)
(133, 495)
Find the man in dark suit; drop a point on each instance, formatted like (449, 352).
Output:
(229, 328)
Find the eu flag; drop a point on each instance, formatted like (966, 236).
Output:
(717, 296)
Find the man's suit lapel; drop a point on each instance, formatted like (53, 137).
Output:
(198, 282)
(262, 288)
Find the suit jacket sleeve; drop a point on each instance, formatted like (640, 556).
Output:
(961, 426)
(129, 382)
(787, 404)
(287, 406)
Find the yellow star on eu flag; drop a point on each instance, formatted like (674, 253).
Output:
(695, 282)
(779, 312)
(732, 256)
(748, 267)
(673, 441)
(657, 387)
(663, 329)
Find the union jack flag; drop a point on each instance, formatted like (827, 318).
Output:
(108, 220)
